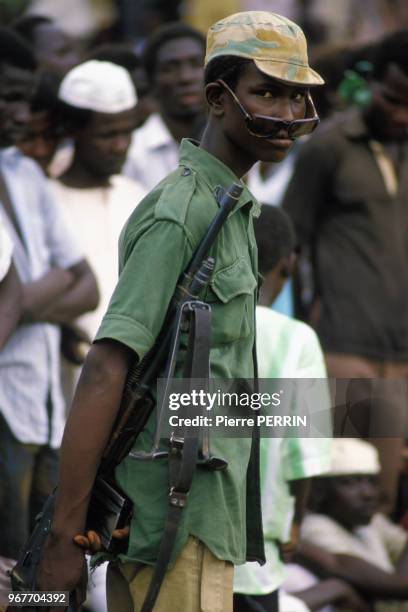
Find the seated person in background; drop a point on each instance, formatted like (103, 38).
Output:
(366, 549)
(286, 349)
(10, 288)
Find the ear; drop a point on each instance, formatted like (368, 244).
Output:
(215, 96)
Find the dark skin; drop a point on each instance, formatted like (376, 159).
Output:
(178, 86)
(100, 388)
(16, 90)
(59, 295)
(40, 140)
(352, 502)
(100, 149)
(387, 114)
(55, 51)
(259, 94)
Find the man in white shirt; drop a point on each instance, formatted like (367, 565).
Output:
(96, 199)
(10, 288)
(173, 61)
(57, 286)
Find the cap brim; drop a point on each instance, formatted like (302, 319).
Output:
(293, 74)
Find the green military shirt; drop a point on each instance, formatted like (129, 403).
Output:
(156, 245)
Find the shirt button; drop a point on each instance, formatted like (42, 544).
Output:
(186, 172)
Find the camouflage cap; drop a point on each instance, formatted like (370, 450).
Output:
(276, 45)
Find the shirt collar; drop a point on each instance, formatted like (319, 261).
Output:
(156, 134)
(214, 172)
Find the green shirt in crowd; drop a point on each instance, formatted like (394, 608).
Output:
(156, 245)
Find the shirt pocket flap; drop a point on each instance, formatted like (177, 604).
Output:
(236, 279)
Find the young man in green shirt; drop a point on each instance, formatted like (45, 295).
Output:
(257, 89)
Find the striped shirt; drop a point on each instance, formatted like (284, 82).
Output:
(30, 391)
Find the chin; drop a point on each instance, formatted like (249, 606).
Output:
(274, 155)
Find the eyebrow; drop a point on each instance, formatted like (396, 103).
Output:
(274, 83)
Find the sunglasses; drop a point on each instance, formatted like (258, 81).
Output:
(263, 126)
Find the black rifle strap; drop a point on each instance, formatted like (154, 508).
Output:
(183, 450)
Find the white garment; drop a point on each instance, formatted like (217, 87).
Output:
(6, 250)
(97, 215)
(153, 153)
(30, 361)
(380, 543)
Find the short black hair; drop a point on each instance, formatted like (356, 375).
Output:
(15, 51)
(393, 49)
(275, 237)
(119, 54)
(161, 36)
(226, 67)
(27, 24)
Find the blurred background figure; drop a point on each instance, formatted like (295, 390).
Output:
(173, 60)
(345, 536)
(10, 288)
(56, 52)
(96, 199)
(123, 55)
(57, 286)
(348, 200)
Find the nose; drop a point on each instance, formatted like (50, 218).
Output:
(283, 109)
(187, 72)
(368, 489)
(120, 144)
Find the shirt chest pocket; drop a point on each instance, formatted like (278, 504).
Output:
(231, 295)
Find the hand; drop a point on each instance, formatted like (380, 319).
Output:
(288, 549)
(63, 568)
(350, 599)
(72, 340)
(91, 542)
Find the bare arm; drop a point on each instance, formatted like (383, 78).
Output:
(60, 295)
(90, 421)
(10, 304)
(333, 591)
(300, 490)
(363, 575)
(82, 296)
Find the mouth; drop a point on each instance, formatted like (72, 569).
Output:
(190, 97)
(280, 143)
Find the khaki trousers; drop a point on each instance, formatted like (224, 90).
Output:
(197, 582)
(393, 413)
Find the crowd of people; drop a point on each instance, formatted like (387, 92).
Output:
(104, 198)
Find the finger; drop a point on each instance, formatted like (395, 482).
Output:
(94, 539)
(82, 541)
(121, 534)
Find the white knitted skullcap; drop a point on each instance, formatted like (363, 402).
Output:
(102, 87)
(353, 456)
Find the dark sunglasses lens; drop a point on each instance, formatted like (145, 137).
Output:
(302, 128)
(268, 127)
(264, 127)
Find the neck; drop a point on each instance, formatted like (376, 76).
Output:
(181, 128)
(80, 177)
(215, 142)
